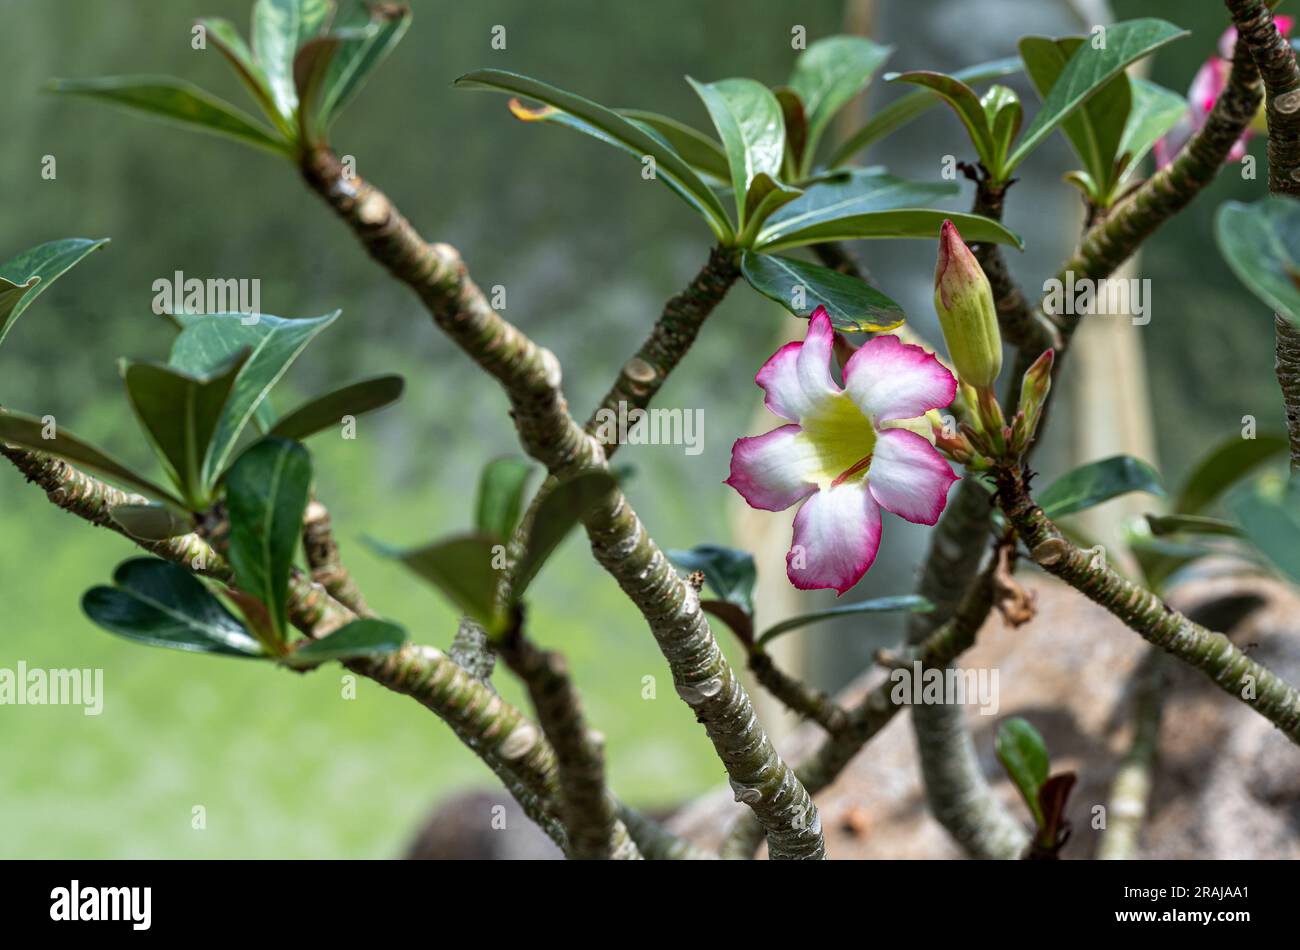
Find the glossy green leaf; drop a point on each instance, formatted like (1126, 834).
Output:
(26, 276)
(28, 432)
(827, 76)
(1160, 560)
(181, 413)
(1155, 111)
(151, 522)
(177, 101)
(367, 637)
(462, 568)
(964, 102)
(923, 223)
(1224, 465)
(1261, 243)
(752, 129)
(1097, 482)
(225, 36)
(367, 37)
(1269, 512)
(501, 496)
(1162, 525)
(1095, 129)
(1088, 70)
(557, 514)
(853, 305)
(1022, 753)
(912, 106)
(1004, 113)
(279, 28)
(610, 127)
(266, 494)
(274, 343)
(310, 71)
(912, 603)
(699, 151)
(161, 604)
(766, 196)
(729, 573)
(796, 133)
(329, 410)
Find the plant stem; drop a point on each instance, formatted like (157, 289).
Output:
(530, 376)
(322, 553)
(1131, 787)
(1146, 614)
(595, 831)
(797, 695)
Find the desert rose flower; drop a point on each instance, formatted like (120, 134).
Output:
(1207, 86)
(846, 452)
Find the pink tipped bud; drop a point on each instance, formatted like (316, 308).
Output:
(964, 303)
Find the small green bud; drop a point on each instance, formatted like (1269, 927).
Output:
(964, 302)
(1035, 386)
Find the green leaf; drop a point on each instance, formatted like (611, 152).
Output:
(912, 106)
(729, 573)
(177, 101)
(367, 39)
(1160, 559)
(1162, 525)
(28, 432)
(1088, 70)
(275, 342)
(1003, 110)
(1269, 511)
(151, 522)
(1097, 482)
(796, 132)
(1261, 243)
(912, 603)
(853, 305)
(25, 277)
(610, 127)
(310, 70)
(964, 102)
(462, 569)
(556, 516)
(1155, 111)
(266, 494)
(161, 604)
(861, 191)
(328, 410)
(232, 46)
(1225, 464)
(749, 122)
(279, 28)
(1095, 129)
(361, 638)
(766, 195)
(827, 76)
(923, 223)
(698, 150)
(1022, 753)
(501, 496)
(181, 413)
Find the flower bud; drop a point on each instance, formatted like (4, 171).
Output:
(1035, 386)
(964, 302)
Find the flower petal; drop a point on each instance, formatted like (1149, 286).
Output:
(836, 535)
(890, 379)
(775, 470)
(798, 376)
(909, 477)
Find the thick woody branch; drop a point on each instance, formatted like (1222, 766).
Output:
(1146, 614)
(530, 376)
(795, 694)
(1131, 788)
(1112, 240)
(322, 553)
(590, 816)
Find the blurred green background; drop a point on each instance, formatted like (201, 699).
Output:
(587, 251)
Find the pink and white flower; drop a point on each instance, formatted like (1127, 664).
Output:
(1207, 86)
(847, 451)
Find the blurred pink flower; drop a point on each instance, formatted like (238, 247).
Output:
(847, 452)
(1205, 90)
